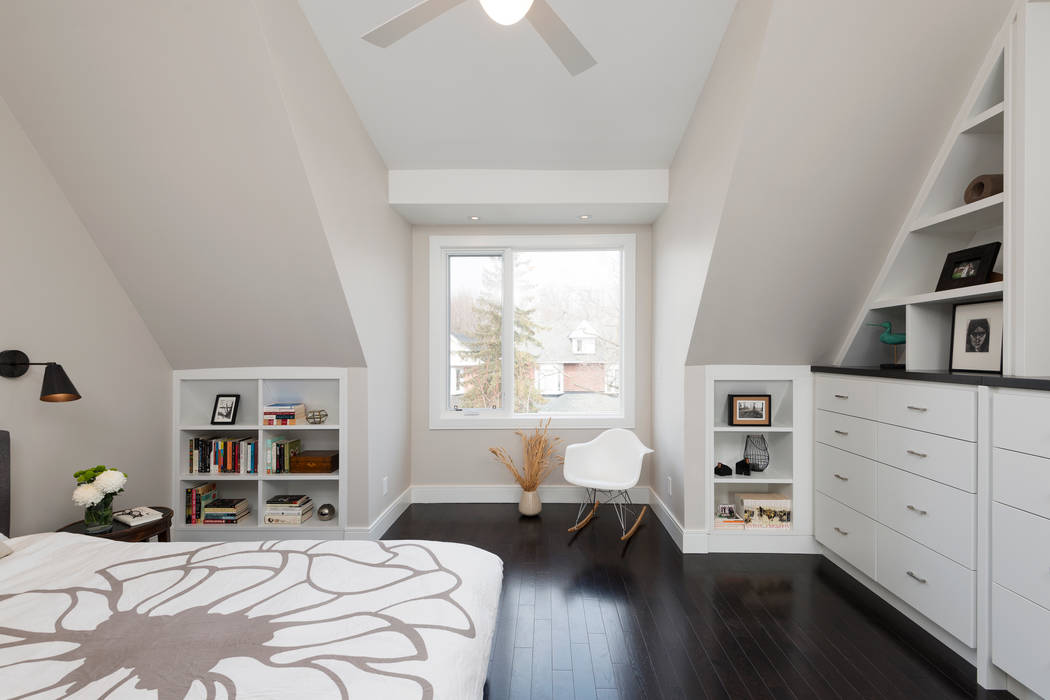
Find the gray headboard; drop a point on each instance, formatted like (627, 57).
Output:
(5, 482)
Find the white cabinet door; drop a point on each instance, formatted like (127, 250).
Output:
(1021, 422)
(854, 397)
(943, 459)
(1021, 481)
(855, 435)
(845, 532)
(1021, 553)
(1020, 634)
(945, 410)
(846, 477)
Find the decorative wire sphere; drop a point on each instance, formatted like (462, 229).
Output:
(326, 512)
(316, 417)
(756, 452)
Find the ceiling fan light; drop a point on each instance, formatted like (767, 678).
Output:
(506, 12)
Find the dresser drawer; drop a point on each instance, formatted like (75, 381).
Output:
(845, 532)
(938, 516)
(1022, 481)
(943, 459)
(856, 435)
(1020, 422)
(1020, 554)
(1020, 630)
(943, 410)
(846, 477)
(853, 397)
(934, 585)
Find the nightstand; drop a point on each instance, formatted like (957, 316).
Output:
(161, 529)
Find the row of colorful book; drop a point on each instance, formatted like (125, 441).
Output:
(223, 455)
(204, 507)
(279, 453)
(288, 509)
(284, 414)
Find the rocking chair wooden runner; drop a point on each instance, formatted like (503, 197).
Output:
(607, 467)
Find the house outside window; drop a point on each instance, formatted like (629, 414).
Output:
(563, 305)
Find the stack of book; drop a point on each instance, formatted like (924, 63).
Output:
(763, 511)
(226, 511)
(198, 496)
(226, 455)
(279, 453)
(727, 519)
(284, 414)
(288, 510)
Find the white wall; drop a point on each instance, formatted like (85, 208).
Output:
(442, 457)
(62, 304)
(682, 241)
(369, 242)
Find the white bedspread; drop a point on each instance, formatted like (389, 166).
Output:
(82, 617)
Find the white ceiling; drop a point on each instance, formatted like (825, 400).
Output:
(464, 92)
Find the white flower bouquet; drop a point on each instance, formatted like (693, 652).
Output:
(94, 492)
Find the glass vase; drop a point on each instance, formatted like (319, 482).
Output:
(99, 517)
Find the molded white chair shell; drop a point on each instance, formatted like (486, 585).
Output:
(610, 462)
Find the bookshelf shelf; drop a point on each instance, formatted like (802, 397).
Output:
(754, 429)
(194, 394)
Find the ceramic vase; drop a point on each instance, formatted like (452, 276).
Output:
(530, 503)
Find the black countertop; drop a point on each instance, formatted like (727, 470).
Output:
(972, 379)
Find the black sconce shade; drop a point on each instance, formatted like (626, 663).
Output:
(56, 386)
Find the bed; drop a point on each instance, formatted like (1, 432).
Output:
(87, 617)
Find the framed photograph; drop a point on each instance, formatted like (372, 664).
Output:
(225, 411)
(965, 268)
(977, 337)
(752, 409)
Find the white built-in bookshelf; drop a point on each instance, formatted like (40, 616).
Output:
(194, 395)
(789, 440)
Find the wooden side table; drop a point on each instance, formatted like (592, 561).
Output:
(161, 529)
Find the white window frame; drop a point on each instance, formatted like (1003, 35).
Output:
(441, 247)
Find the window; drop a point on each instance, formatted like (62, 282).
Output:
(562, 305)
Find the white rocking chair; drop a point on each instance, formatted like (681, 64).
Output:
(607, 467)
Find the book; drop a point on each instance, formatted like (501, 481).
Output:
(233, 454)
(288, 500)
(224, 521)
(197, 496)
(763, 510)
(288, 511)
(137, 516)
(287, 519)
(228, 505)
(284, 414)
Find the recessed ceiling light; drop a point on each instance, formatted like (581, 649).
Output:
(475, 218)
(583, 217)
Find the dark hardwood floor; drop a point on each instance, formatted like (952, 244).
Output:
(587, 617)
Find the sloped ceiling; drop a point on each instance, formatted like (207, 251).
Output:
(162, 122)
(852, 102)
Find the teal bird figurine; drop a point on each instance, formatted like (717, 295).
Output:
(890, 338)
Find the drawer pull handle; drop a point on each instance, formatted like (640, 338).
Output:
(841, 396)
(841, 478)
(913, 509)
(917, 578)
(841, 531)
(841, 432)
(920, 409)
(918, 454)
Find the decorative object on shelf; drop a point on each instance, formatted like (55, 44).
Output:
(750, 409)
(756, 452)
(137, 516)
(225, 411)
(315, 462)
(983, 186)
(56, 388)
(727, 519)
(539, 461)
(965, 268)
(326, 512)
(317, 416)
(743, 468)
(94, 493)
(763, 511)
(723, 470)
(893, 340)
(725, 510)
(977, 337)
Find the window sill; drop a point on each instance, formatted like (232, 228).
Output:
(460, 421)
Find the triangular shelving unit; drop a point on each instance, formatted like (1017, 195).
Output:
(939, 223)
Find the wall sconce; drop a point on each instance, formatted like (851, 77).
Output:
(56, 387)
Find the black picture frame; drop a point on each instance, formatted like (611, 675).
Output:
(766, 418)
(966, 268)
(988, 361)
(229, 412)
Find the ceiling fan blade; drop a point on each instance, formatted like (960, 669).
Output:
(562, 41)
(408, 21)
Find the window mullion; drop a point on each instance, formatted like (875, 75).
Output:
(508, 332)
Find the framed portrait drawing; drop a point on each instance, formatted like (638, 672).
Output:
(750, 409)
(977, 337)
(225, 411)
(965, 268)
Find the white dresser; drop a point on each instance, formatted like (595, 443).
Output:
(896, 478)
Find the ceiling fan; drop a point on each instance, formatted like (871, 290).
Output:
(539, 13)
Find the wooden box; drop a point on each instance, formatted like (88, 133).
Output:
(315, 462)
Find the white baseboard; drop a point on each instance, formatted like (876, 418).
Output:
(757, 543)
(384, 521)
(508, 493)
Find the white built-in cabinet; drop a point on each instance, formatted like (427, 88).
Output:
(194, 395)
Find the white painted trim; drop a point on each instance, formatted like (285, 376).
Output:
(381, 524)
(757, 543)
(688, 541)
(440, 418)
(508, 493)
